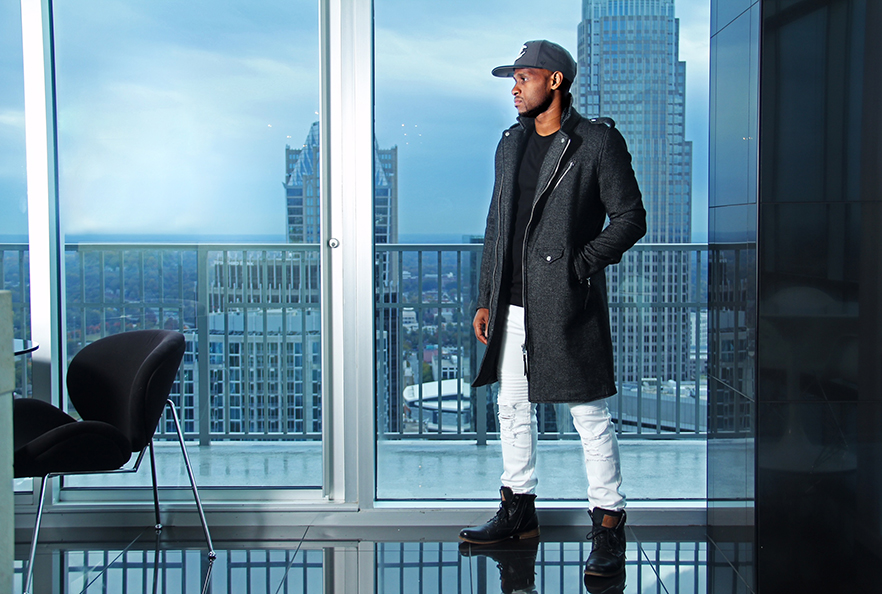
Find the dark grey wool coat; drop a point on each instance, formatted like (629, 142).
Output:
(586, 176)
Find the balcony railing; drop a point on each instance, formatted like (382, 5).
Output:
(14, 277)
(425, 303)
(254, 310)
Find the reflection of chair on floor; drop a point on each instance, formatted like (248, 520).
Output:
(119, 385)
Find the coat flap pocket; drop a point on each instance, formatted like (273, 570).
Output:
(550, 254)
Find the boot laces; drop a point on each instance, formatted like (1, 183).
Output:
(502, 513)
(605, 537)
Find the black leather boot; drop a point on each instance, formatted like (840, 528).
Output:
(607, 556)
(516, 518)
(605, 585)
(515, 559)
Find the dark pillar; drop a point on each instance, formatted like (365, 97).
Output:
(819, 394)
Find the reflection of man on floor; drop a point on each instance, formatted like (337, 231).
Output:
(542, 303)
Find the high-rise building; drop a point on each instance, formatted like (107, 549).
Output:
(630, 70)
(302, 194)
(302, 191)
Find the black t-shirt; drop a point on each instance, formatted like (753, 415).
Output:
(528, 176)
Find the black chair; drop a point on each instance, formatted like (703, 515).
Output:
(119, 385)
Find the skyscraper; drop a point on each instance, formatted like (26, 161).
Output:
(302, 191)
(303, 207)
(630, 70)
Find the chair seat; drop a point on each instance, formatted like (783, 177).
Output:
(48, 440)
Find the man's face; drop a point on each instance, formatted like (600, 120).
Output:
(532, 91)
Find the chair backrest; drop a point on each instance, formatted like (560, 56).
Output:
(125, 380)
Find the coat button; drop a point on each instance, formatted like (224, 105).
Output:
(548, 258)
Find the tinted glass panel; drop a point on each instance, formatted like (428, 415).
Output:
(184, 132)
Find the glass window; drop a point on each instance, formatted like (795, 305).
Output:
(13, 178)
(183, 129)
(14, 264)
(438, 107)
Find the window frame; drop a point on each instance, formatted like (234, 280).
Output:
(346, 56)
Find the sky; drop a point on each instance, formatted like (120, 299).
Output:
(13, 191)
(173, 116)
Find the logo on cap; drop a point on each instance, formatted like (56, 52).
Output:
(523, 51)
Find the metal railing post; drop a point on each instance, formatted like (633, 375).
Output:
(203, 348)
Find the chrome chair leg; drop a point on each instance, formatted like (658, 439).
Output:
(211, 554)
(30, 575)
(156, 565)
(158, 525)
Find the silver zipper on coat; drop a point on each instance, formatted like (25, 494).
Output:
(524, 251)
(496, 254)
(563, 175)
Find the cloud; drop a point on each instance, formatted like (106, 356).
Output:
(175, 115)
(162, 135)
(12, 118)
(451, 48)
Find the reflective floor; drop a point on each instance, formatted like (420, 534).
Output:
(417, 560)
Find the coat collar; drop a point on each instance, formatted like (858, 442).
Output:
(568, 119)
(553, 159)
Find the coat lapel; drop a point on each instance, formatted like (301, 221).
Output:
(550, 164)
(511, 158)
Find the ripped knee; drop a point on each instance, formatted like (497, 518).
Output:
(515, 420)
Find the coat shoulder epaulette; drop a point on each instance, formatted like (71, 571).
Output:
(609, 122)
(513, 128)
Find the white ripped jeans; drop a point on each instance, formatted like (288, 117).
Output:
(519, 433)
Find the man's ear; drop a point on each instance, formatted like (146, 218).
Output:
(556, 80)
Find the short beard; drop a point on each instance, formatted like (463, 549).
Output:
(539, 109)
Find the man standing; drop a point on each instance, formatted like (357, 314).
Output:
(542, 304)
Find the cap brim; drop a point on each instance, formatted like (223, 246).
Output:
(505, 71)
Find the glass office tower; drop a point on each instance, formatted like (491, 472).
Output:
(630, 70)
(302, 192)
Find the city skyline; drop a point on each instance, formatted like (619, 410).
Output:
(231, 137)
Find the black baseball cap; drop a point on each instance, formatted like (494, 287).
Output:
(541, 54)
